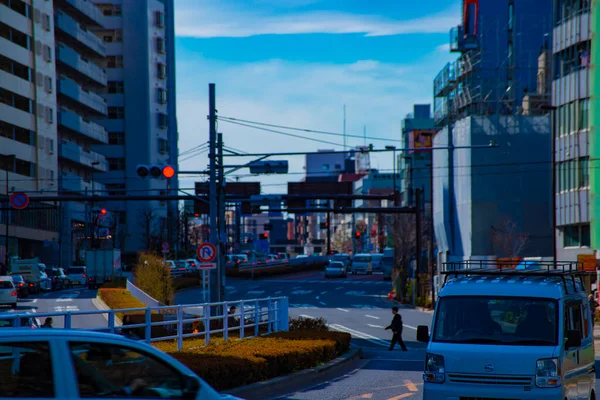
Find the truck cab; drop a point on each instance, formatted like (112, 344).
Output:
(510, 334)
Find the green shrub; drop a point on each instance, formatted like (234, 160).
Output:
(308, 324)
(153, 277)
(225, 365)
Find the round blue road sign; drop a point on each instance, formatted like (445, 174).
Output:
(19, 200)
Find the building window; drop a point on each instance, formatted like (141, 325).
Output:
(116, 138)
(161, 45)
(18, 6)
(116, 112)
(162, 95)
(584, 173)
(115, 61)
(17, 133)
(46, 22)
(16, 100)
(118, 36)
(325, 167)
(116, 164)
(24, 168)
(47, 53)
(15, 68)
(107, 38)
(115, 87)
(159, 19)
(163, 146)
(163, 120)
(584, 114)
(110, 10)
(15, 36)
(162, 70)
(576, 236)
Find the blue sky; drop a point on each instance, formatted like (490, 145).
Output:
(297, 62)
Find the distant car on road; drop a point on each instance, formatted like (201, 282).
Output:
(27, 320)
(60, 280)
(335, 268)
(343, 258)
(8, 292)
(21, 285)
(376, 261)
(77, 275)
(362, 263)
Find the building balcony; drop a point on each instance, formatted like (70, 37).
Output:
(461, 42)
(92, 101)
(86, 68)
(71, 151)
(76, 184)
(79, 37)
(444, 82)
(84, 9)
(74, 122)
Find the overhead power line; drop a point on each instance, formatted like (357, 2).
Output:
(285, 133)
(231, 119)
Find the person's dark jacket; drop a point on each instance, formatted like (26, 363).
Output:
(396, 325)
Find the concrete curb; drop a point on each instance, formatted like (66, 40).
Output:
(101, 305)
(279, 386)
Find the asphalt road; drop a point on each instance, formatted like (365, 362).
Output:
(77, 299)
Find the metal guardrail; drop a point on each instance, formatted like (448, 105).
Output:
(271, 312)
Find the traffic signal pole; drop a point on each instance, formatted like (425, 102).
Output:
(214, 292)
(222, 244)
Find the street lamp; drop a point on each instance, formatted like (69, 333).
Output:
(6, 159)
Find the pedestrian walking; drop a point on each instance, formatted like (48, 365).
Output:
(396, 327)
(47, 323)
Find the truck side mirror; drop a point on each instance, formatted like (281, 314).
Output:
(423, 333)
(573, 339)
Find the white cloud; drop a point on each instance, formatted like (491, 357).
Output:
(305, 95)
(197, 19)
(444, 48)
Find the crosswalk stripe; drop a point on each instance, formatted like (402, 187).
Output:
(359, 335)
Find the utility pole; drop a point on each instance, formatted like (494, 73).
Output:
(418, 228)
(212, 187)
(221, 248)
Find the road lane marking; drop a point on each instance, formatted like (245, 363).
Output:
(323, 303)
(34, 301)
(371, 316)
(67, 308)
(410, 327)
(301, 292)
(355, 293)
(63, 300)
(339, 287)
(307, 316)
(360, 335)
(324, 292)
(277, 292)
(410, 386)
(256, 292)
(402, 396)
(341, 309)
(375, 326)
(318, 297)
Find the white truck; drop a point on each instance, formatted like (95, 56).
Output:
(32, 271)
(102, 266)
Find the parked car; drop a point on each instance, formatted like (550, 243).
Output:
(27, 321)
(45, 282)
(77, 275)
(335, 268)
(343, 258)
(60, 280)
(21, 285)
(182, 267)
(74, 364)
(193, 264)
(8, 292)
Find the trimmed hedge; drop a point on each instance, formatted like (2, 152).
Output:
(119, 299)
(225, 365)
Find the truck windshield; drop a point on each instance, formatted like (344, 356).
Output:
(496, 320)
(362, 259)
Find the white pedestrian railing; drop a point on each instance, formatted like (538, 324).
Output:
(250, 319)
(141, 295)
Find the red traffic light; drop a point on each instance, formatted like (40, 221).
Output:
(266, 235)
(196, 215)
(168, 171)
(103, 211)
(357, 234)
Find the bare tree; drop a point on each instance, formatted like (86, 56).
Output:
(405, 243)
(508, 238)
(341, 242)
(147, 220)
